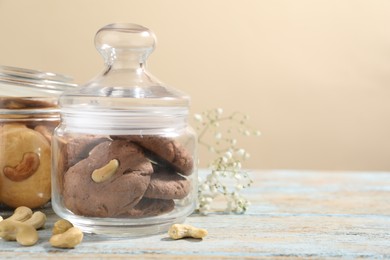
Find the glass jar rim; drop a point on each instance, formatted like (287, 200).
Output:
(32, 74)
(47, 83)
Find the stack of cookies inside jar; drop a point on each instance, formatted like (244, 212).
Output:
(122, 176)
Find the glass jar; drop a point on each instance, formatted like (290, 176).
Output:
(28, 116)
(124, 154)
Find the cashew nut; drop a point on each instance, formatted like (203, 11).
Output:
(37, 220)
(27, 166)
(105, 172)
(21, 214)
(69, 239)
(23, 233)
(22, 225)
(61, 226)
(178, 231)
(65, 235)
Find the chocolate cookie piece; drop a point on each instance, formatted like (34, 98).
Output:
(151, 207)
(115, 195)
(167, 185)
(165, 148)
(72, 150)
(77, 148)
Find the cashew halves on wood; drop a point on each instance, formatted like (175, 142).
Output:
(61, 226)
(27, 167)
(24, 234)
(69, 239)
(178, 231)
(37, 220)
(105, 172)
(21, 213)
(65, 235)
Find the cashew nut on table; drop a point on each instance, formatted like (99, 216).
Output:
(22, 226)
(65, 235)
(61, 226)
(178, 231)
(37, 220)
(21, 214)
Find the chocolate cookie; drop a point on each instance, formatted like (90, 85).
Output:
(151, 207)
(167, 185)
(77, 148)
(113, 195)
(165, 148)
(72, 150)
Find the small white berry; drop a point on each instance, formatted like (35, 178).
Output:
(213, 189)
(198, 117)
(228, 155)
(241, 152)
(209, 199)
(239, 187)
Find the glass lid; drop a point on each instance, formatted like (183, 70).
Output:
(125, 83)
(20, 82)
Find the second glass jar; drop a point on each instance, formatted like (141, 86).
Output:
(124, 155)
(28, 116)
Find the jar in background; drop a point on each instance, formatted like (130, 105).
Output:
(28, 115)
(124, 154)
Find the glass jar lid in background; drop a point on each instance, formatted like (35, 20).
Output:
(30, 92)
(32, 83)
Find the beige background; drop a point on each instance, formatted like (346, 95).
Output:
(314, 76)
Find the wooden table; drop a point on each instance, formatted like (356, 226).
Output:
(294, 214)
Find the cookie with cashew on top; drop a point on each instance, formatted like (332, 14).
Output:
(25, 167)
(109, 182)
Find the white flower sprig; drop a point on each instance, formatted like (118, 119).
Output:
(227, 179)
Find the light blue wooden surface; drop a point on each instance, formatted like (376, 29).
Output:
(293, 215)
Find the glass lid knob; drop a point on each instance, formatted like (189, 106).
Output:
(128, 40)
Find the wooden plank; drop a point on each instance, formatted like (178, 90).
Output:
(293, 215)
